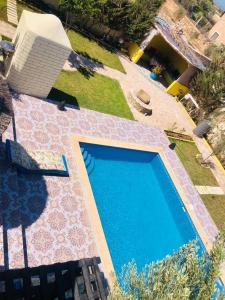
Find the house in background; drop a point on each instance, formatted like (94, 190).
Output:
(169, 43)
(217, 32)
(41, 50)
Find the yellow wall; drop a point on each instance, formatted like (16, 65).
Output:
(135, 52)
(167, 51)
(176, 89)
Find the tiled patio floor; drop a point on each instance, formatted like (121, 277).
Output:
(44, 219)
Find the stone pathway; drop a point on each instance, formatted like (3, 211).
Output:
(7, 29)
(209, 190)
(12, 12)
(165, 109)
(167, 113)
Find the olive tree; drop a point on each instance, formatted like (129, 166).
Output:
(184, 275)
(88, 8)
(208, 86)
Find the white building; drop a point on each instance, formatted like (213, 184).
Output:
(217, 32)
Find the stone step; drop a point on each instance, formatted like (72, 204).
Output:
(15, 22)
(12, 12)
(11, 8)
(85, 154)
(88, 160)
(12, 16)
(12, 20)
(209, 190)
(12, 4)
(91, 166)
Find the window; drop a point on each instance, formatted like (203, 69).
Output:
(214, 36)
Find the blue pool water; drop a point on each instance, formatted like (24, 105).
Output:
(142, 215)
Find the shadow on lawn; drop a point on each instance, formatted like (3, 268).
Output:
(60, 96)
(94, 60)
(86, 72)
(83, 59)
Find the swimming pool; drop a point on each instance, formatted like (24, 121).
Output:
(141, 212)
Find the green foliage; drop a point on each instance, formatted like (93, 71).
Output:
(208, 87)
(114, 13)
(184, 275)
(89, 8)
(158, 69)
(133, 18)
(81, 8)
(141, 15)
(198, 8)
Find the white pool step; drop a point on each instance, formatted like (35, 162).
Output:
(89, 160)
(91, 166)
(85, 155)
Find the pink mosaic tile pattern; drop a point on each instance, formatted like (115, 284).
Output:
(49, 213)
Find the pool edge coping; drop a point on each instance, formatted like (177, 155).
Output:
(91, 206)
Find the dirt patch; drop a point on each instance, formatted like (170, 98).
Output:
(178, 136)
(174, 12)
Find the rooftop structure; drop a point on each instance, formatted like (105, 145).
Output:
(174, 36)
(42, 47)
(171, 44)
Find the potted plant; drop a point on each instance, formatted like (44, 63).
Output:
(156, 71)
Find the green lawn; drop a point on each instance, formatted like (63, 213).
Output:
(88, 89)
(3, 13)
(6, 38)
(187, 152)
(95, 51)
(201, 176)
(216, 206)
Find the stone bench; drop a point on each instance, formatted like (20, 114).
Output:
(138, 104)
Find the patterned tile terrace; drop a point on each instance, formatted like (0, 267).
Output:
(46, 216)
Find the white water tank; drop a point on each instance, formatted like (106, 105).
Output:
(202, 128)
(41, 50)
